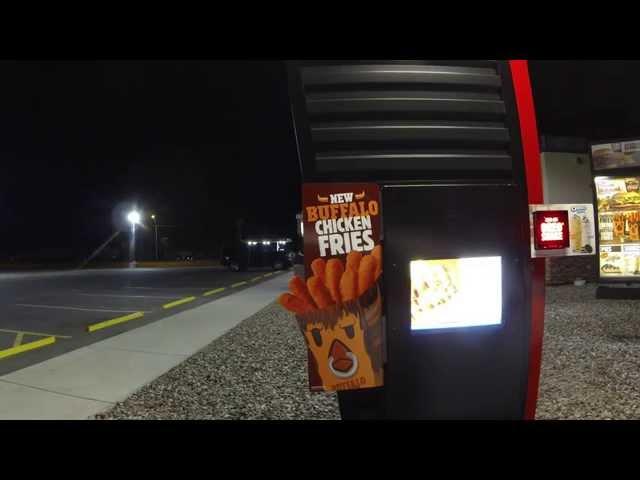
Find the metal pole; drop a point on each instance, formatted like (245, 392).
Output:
(132, 246)
(156, 227)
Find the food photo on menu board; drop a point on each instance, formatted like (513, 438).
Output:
(616, 155)
(456, 293)
(619, 225)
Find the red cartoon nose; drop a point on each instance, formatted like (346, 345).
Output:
(341, 361)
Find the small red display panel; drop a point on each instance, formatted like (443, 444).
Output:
(551, 229)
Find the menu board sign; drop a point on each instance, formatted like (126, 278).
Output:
(562, 229)
(551, 229)
(616, 155)
(619, 226)
(338, 305)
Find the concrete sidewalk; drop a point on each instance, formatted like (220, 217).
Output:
(92, 379)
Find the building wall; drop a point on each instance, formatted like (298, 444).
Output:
(562, 270)
(566, 178)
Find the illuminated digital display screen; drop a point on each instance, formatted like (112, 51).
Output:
(619, 226)
(456, 293)
(551, 229)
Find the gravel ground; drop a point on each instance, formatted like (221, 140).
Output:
(590, 368)
(591, 357)
(257, 370)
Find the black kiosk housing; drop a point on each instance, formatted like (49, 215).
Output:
(443, 141)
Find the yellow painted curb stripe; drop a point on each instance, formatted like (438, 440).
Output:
(268, 274)
(211, 292)
(26, 347)
(178, 302)
(238, 284)
(114, 321)
(255, 279)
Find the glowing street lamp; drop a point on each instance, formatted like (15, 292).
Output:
(134, 219)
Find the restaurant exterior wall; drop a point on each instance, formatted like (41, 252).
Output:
(563, 270)
(567, 179)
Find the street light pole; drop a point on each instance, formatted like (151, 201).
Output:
(155, 225)
(134, 218)
(132, 246)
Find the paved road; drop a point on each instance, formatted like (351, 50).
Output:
(36, 306)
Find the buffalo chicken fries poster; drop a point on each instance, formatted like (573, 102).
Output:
(338, 305)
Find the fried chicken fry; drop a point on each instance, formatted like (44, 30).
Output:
(366, 273)
(299, 289)
(333, 274)
(377, 254)
(319, 292)
(349, 285)
(353, 260)
(318, 267)
(293, 304)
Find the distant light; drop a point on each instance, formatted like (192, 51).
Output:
(266, 242)
(153, 217)
(134, 217)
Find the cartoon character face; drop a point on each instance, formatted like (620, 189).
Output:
(339, 349)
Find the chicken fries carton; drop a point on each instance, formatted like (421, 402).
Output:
(338, 306)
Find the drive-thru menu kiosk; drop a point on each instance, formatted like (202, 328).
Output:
(453, 147)
(616, 181)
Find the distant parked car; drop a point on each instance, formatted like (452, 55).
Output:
(184, 257)
(257, 253)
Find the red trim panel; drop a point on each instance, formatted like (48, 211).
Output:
(531, 151)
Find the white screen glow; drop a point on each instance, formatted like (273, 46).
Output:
(456, 293)
(551, 230)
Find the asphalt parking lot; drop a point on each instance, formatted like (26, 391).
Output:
(45, 314)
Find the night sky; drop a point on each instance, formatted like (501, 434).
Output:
(198, 143)
(587, 98)
(201, 144)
